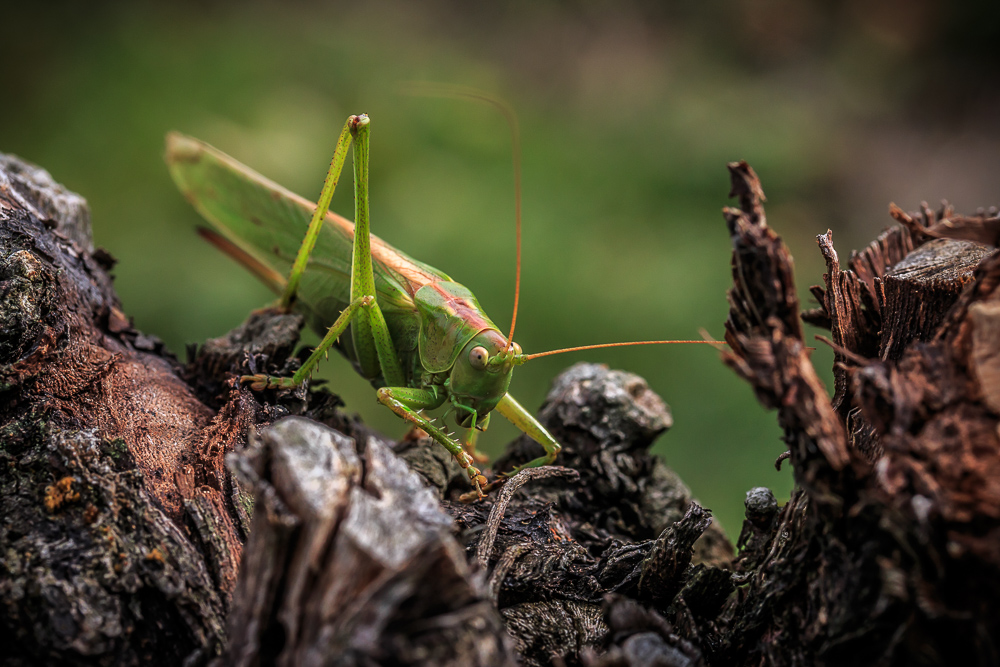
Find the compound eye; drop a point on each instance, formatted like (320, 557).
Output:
(478, 356)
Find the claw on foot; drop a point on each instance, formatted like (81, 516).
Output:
(478, 480)
(476, 477)
(482, 489)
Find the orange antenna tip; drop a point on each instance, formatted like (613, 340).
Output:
(529, 357)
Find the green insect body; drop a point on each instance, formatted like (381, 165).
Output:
(420, 338)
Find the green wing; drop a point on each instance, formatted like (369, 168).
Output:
(265, 224)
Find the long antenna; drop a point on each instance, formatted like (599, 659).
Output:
(529, 357)
(429, 89)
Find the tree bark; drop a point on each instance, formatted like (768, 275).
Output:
(120, 535)
(888, 552)
(127, 538)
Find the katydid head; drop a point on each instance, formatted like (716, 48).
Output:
(481, 374)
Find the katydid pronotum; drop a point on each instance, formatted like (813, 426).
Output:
(420, 338)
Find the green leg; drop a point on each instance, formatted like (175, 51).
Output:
(522, 419)
(409, 404)
(322, 206)
(372, 343)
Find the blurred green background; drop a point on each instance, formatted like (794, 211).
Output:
(629, 113)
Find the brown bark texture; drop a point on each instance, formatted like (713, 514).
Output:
(157, 512)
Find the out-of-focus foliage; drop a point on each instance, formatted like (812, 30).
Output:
(628, 114)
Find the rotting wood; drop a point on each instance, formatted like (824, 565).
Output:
(123, 529)
(99, 562)
(894, 558)
(351, 560)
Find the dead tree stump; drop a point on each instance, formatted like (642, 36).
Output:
(889, 553)
(124, 528)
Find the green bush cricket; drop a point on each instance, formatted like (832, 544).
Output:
(419, 337)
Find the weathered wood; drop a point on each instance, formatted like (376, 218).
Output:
(350, 560)
(123, 529)
(918, 291)
(626, 525)
(893, 558)
(104, 558)
(766, 340)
